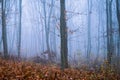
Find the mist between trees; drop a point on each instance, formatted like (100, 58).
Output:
(65, 32)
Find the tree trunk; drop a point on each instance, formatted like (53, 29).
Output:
(118, 18)
(46, 30)
(110, 46)
(63, 33)
(118, 45)
(19, 29)
(89, 32)
(4, 31)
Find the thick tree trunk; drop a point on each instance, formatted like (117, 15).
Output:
(63, 32)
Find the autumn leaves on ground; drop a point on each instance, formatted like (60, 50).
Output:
(14, 70)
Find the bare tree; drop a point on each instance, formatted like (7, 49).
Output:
(4, 30)
(63, 32)
(118, 18)
(19, 29)
(110, 46)
(47, 27)
(89, 31)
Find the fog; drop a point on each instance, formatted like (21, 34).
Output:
(33, 35)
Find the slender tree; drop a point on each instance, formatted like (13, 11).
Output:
(49, 19)
(0, 42)
(110, 46)
(118, 18)
(4, 30)
(46, 27)
(63, 33)
(19, 29)
(99, 25)
(89, 31)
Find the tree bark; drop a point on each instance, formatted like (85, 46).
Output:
(118, 40)
(63, 33)
(118, 18)
(4, 31)
(89, 32)
(19, 31)
(110, 46)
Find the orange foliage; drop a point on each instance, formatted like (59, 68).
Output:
(13, 70)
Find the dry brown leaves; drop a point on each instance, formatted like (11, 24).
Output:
(11, 70)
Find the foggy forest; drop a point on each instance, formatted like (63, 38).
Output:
(59, 39)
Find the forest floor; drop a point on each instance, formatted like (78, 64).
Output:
(15, 70)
